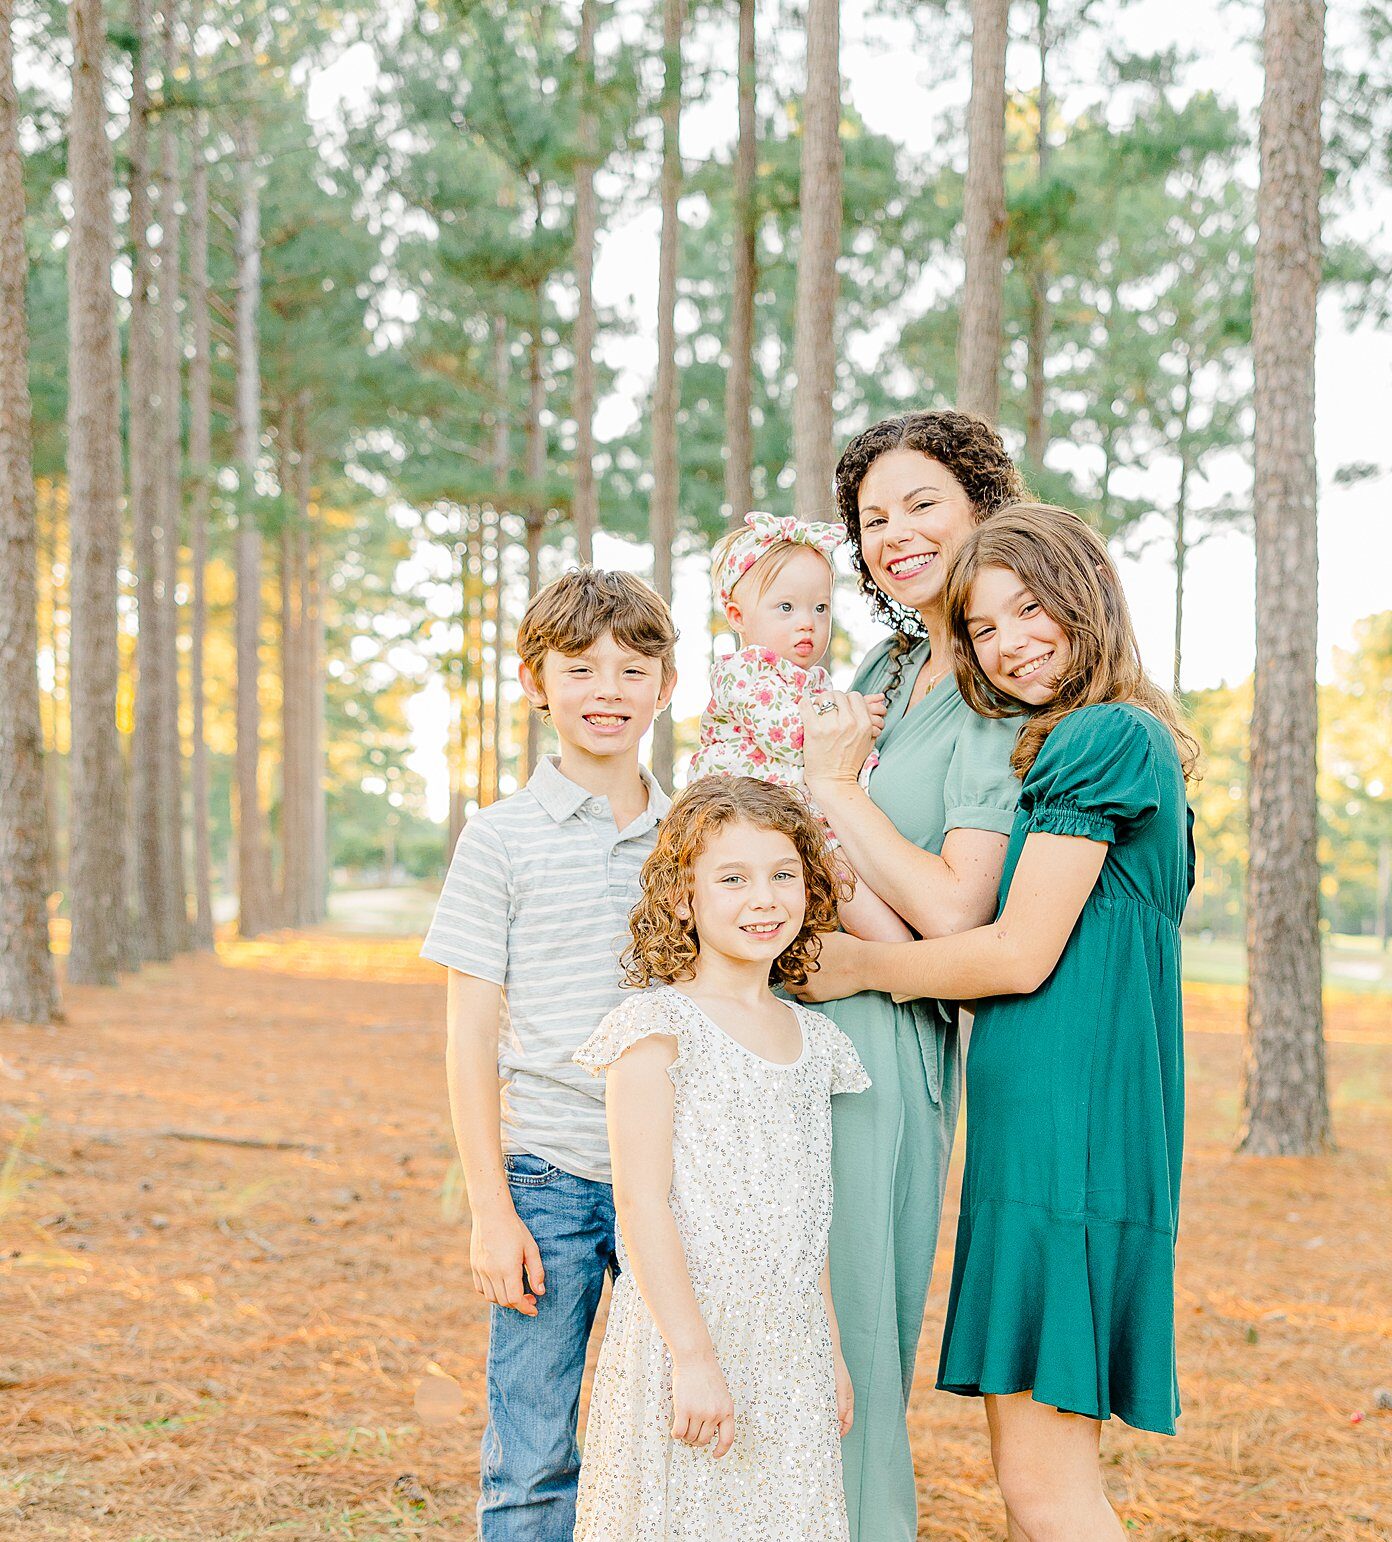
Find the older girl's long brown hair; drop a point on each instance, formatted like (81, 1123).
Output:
(665, 945)
(1065, 565)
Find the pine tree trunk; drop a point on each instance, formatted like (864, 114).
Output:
(501, 458)
(200, 389)
(1181, 517)
(316, 712)
(28, 990)
(294, 833)
(586, 507)
(98, 819)
(1285, 1098)
(170, 479)
(983, 216)
(536, 474)
(308, 782)
(1041, 320)
(476, 606)
(662, 513)
(814, 332)
(739, 381)
(149, 741)
(498, 616)
(253, 858)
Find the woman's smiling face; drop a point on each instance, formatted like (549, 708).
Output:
(913, 516)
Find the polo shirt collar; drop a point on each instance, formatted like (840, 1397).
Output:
(560, 797)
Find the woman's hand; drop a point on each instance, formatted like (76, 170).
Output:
(702, 1409)
(845, 1396)
(839, 729)
(837, 971)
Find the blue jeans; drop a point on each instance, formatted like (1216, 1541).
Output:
(531, 1463)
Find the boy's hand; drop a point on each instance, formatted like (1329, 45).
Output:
(845, 1396)
(501, 1249)
(702, 1409)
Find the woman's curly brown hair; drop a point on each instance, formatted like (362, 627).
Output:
(969, 448)
(1066, 567)
(664, 946)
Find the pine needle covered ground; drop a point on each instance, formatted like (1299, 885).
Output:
(205, 1341)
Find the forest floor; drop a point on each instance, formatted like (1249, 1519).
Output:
(202, 1342)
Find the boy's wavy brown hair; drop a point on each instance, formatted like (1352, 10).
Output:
(664, 946)
(1065, 565)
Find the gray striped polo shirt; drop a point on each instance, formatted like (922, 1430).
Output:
(536, 900)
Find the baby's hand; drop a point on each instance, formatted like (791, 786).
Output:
(702, 1409)
(877, 705)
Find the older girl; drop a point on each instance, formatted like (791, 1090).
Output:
(1062, 1305)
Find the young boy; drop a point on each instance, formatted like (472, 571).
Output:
(533, 917)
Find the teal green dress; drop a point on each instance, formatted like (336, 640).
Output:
(941, 767)
(1063, 1278)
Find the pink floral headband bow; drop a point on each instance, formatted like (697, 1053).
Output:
(762, 532)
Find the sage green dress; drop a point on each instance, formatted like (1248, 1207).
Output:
(941, 767)
(1063, 1277)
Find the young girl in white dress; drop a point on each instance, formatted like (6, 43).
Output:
(721, 1395)
(773, 580)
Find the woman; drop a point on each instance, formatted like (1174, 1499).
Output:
(1061, 1313)
(929, 836)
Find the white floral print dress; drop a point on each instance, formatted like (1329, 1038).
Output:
(752, 726)
(751, 1193)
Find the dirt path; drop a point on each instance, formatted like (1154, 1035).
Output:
(202, 1342)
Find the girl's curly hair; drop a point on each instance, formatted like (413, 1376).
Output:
(664, 946)
(969, 448)
(1065, 565)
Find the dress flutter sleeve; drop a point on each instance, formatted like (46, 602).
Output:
(1094, 777)
(980, 790)
(643, 1015)
(847, 1071)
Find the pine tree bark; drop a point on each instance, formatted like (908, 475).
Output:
(317, 711)
(814, 335)
(28, 990)
(309, 784)
(586, 498)
(170, 480)
(983, 216)
(662, 513)
(497, 609)
(294, 829)
(1181, 545)
(98, 821)
(739, 381)
(1285, 1096)
(1040, 315)
(501, 457)
(200, 389)
(149, 740)
(253, 857)
(536, 475)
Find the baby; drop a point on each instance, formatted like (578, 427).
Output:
(773, 579)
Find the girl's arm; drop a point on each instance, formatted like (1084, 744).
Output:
(1012, 957)
(845, 1393)
(936, 895)
(640, 1099)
